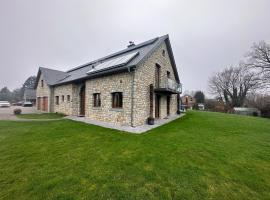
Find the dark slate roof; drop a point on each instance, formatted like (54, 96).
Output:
(29, 93)
(54, 77)
(51, 76)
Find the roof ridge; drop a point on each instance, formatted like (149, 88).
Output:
(147, 42)
(51, 69)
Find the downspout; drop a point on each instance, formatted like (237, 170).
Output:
(132, 96)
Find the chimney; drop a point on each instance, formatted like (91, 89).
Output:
(131, 44)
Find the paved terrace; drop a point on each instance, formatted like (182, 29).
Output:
(137, 130)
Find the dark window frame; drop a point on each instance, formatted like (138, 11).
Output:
(163, 53)
(168, 74)
(57, 100)
(117, 100)
(96, 100)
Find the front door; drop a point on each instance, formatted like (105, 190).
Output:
(82, 101)
(157, 106)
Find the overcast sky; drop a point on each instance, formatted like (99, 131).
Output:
(205, 35)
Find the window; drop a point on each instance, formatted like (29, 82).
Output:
(42, 83)
(157, 75)
(63, 98)
(68, 98)
(57, 100)
(168, 74)
(97, 100)
(117, 100)
(163, 52)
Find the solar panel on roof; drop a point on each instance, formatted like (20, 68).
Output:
(122, 60)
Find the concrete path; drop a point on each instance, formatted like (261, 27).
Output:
(137, 130)
(7, 113)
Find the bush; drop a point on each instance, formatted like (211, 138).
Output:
(17, 111)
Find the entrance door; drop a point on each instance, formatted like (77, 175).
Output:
(82, 101)
(157, 106)
(168, 104)
(45, 104)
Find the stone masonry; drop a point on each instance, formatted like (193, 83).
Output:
(143, 76)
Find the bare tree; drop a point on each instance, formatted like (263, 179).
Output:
(259, 60)
(233, 84)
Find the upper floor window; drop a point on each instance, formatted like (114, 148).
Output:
(163, 52)
(68, 98)
(57, 100)
(157, 75)
(42, 83)
(168, 74)
(97, 100)
(63, 98)
(117, 100)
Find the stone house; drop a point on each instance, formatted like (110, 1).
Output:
(187, 102)
(130, 87)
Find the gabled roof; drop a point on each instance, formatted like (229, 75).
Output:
(51, 76)
(85, 71)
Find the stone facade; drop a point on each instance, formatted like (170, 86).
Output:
(43, 90)
(133, 85)
(144, 76)
(65, 105)
(106, 86)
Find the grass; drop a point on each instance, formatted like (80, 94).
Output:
(41, 116)
(200, 156)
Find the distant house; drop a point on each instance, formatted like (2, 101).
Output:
(187, 101)
(128, 87)
(30, 95)
(201, 106)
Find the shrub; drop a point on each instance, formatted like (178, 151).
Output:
(17, 111)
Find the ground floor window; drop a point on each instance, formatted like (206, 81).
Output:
(97, 100)
(63, 98)
(57, 100)
(68, 98)
(117, 99)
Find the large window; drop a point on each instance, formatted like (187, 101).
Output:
(97, 100)
(117, 100)
(57, 100)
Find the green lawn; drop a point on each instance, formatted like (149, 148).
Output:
(41, 116)
(200, 156)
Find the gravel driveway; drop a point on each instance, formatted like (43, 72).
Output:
(7, 113)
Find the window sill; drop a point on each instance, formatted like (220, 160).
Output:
(117, 109)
